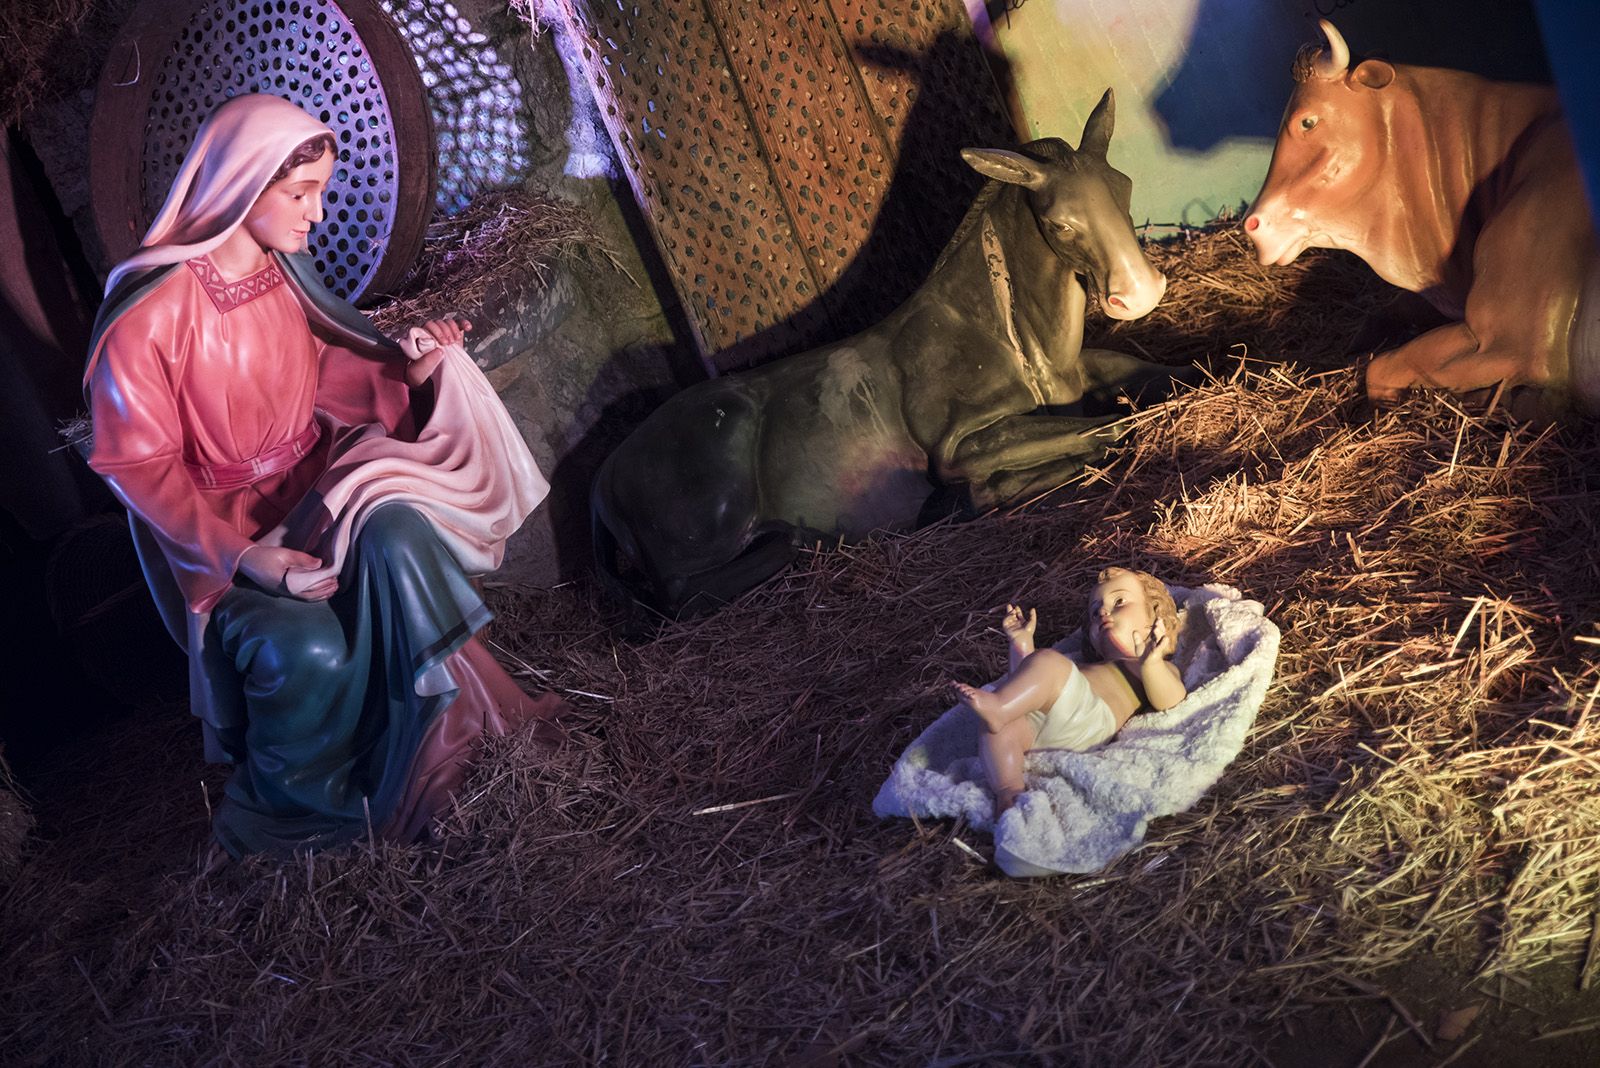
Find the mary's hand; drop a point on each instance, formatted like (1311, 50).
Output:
(424, 346)
(270, 567)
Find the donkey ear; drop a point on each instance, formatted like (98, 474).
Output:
(1097, 131)
(1005, 166)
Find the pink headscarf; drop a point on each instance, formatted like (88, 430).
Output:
(234, 156)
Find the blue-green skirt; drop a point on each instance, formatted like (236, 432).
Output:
(333, 718)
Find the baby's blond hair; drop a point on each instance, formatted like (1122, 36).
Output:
(1155, 590)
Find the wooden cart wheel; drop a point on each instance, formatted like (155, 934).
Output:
(345, 63)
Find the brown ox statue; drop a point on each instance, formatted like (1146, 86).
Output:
(1458, 188)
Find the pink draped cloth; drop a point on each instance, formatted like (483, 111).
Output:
(467, 471)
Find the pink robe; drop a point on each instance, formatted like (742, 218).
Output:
(206, 373)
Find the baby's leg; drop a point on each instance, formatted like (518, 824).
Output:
(1002, 755)
(1032, 687)
(1009, 733)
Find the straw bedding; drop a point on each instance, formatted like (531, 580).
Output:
(502, 243)
(695, 876)
(15, 824)
(44, 51)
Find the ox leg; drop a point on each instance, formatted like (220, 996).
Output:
(1448, 357)
(1027, 450)
(1528, 274)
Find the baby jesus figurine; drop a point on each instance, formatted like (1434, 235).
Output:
(1049, 702)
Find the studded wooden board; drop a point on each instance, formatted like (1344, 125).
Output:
(797, 161)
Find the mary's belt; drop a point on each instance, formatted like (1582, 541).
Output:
(276, 459)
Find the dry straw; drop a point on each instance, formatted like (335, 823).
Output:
(42, 49)
(694, 876)
(504, 242)
(16, 821)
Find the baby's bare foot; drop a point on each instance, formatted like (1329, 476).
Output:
(983, 702)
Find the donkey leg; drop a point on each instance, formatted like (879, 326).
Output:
(1029, 449)
(1014, 487)
(708, 590)
(1108, 375)
(1021, 441)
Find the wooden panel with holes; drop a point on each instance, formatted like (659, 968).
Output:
(679, 122)
(776, 150)
(820, 135)
(934, 92)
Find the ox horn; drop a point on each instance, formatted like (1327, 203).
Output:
(1337, 59)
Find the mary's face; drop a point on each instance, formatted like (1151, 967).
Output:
(283, 215)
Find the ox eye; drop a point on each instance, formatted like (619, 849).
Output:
(1308, 123)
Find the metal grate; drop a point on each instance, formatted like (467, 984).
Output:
(307, 52)
(346, 63)
(478, 118)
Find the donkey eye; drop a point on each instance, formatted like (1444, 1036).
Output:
(1062, 227)
(1308, 123)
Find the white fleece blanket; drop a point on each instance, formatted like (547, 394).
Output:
(1083, 810)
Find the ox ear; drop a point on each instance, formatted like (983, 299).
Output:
(1005, 166)
(1373, 73)
(1097, 131)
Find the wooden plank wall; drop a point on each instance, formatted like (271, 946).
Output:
(797, 161)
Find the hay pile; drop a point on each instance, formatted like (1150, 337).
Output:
(16, 822)
(695, 876)
(43, 52)
(504, 241)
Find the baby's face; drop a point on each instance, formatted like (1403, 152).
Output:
(1120, 618)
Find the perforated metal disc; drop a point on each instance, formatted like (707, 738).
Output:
(317, 54)
(478, 116)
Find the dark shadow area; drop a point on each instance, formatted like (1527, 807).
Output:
(573, 475)
(1497, 39)
(74, 645)
(1570, 29)
(1215, 94)
(683, 358)
(82, 641)
(1235, 49)
(958, 103)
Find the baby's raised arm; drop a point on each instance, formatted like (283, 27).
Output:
(1019, 633)
(1163, 683)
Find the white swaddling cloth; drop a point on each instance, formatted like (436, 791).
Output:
(1077, 719)
(1082, 810)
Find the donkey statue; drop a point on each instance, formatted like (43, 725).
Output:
(976, 391)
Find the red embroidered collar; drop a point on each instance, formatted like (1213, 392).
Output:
(230, 295)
